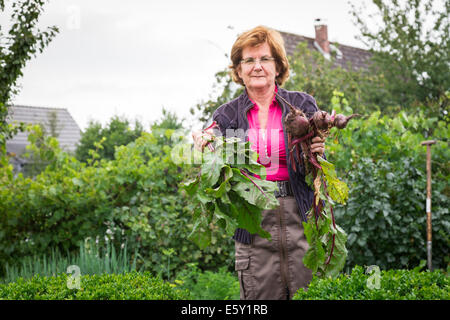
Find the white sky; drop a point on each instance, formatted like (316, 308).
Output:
(132, 58)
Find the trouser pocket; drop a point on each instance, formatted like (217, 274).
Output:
(242, 266)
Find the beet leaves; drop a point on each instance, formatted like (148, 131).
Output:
(225, 193)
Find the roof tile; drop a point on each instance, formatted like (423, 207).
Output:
(359, 58)
(68, 131)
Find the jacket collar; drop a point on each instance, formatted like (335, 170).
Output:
(246, 104)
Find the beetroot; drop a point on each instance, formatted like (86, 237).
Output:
(340, 121)
(322, 120)
(300, 132)
(297, 123)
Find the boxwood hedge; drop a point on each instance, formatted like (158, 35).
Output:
(129, 286)
(392, 285)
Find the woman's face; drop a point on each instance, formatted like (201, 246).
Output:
(260, 74)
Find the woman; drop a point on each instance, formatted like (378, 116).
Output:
(268, 269)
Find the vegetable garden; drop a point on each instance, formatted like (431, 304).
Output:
(137, 199)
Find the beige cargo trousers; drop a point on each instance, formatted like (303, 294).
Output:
(273, 270)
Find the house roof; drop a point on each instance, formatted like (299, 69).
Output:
(67, 130)
(359, 58)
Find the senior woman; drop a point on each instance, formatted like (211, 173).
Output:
(268, 269)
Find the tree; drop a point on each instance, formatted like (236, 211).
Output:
(162, 129)
(317, 76)
(116, 133)
(411, 48)
(23, 41)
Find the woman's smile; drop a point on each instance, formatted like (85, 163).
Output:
(261, 74)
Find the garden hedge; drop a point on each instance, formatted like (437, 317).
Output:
(129, 286)
(392, 285)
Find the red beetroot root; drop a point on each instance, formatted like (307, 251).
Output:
(340, 121)
(296, 123)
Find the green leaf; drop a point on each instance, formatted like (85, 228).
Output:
(339, 256)
(222, 213)
(202, 237)
(224, 187)
(201, 234)
(211, 167)
(258, 192)
(266, 188)
(315, 255)
(338, 190)
(191, 186)
(250, 218)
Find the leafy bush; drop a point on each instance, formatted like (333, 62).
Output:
(133, 198)
(393, 285)
(383, 163)
(385, 216)
(221, 285)
(129, 286)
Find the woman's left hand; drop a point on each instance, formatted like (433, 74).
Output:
(318, 145)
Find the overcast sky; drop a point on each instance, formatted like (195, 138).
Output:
(132, 58)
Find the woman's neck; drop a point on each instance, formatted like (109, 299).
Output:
(263, 97)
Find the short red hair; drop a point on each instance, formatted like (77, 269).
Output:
(254, 38)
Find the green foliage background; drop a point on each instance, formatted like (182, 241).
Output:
(133, 198)
(384, 164)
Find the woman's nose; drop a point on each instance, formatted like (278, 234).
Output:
(257, 65)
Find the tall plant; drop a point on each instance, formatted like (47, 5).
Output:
(23, 41)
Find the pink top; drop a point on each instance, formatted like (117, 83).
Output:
(269, 142)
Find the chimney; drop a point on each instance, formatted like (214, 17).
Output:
(322, 36)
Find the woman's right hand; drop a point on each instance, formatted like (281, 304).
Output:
(201, 138)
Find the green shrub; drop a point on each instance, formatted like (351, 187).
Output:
(130, 286)
(133, 198)
(221, 285)
(393, 285)
(384, 164)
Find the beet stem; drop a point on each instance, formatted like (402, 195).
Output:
(309, 135)
(334, 224)
(285, 101)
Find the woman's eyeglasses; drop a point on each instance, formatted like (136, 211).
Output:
(250, 62)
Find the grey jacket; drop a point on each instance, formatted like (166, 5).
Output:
(233, 115)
